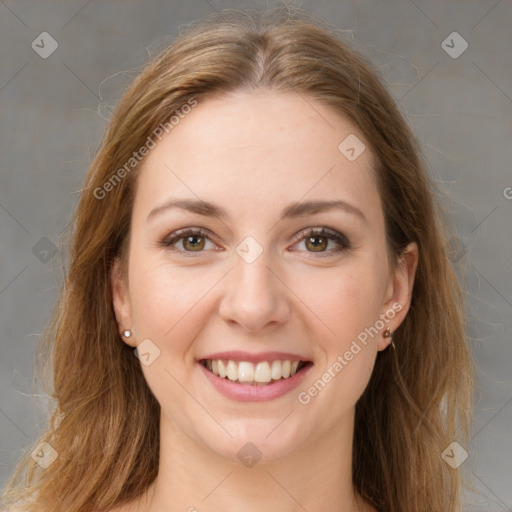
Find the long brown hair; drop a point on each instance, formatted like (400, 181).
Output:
(104, 427)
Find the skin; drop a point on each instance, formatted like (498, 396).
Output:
(253, 153)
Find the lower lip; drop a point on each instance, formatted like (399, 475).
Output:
(252, 393)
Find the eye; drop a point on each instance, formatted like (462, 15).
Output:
(317, 240)
(195, 240)
(190, 240)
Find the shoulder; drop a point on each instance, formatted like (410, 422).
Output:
(125, 507)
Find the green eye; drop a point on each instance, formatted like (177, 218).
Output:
(195, 240)
(317, 240)
(192, 240)
(317, 247)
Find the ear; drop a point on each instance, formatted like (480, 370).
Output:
(121, 301)
(399, 291)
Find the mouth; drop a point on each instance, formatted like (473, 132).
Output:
(262, 373)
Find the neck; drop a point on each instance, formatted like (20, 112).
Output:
(193, 478)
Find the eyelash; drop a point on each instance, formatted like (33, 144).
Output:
(339, 238)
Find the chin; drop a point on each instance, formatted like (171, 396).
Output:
(258, 440)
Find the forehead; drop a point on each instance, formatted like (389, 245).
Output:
(258, 148)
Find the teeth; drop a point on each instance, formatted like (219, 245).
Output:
(222, 370)
(232, 370)
(276, 370)
(286, 368)
(245, 372)
(261, 373)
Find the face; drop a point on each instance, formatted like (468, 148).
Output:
(250, 266)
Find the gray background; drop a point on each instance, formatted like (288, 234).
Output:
(54, 110)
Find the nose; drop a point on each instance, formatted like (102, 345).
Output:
(255, 296)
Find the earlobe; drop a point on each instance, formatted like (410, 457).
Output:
(121, 302)
(400, 292)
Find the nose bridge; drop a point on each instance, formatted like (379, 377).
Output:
(254, 297)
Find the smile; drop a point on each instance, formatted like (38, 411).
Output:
(263, 373)
(249, 377)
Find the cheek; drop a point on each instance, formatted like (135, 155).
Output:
(347, 300)
(170, 307)
(169, 303)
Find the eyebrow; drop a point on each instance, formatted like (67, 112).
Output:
(291, 211)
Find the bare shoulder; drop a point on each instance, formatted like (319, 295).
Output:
(120, 508)
(127, 507)
(124, 507)
(141, 503)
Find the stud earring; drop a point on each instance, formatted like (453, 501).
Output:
(127, 333)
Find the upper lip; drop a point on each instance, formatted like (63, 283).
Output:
(239, 355)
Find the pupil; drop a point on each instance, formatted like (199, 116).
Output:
(193, 242)
(317, 244)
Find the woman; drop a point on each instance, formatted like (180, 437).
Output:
(259, 312)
